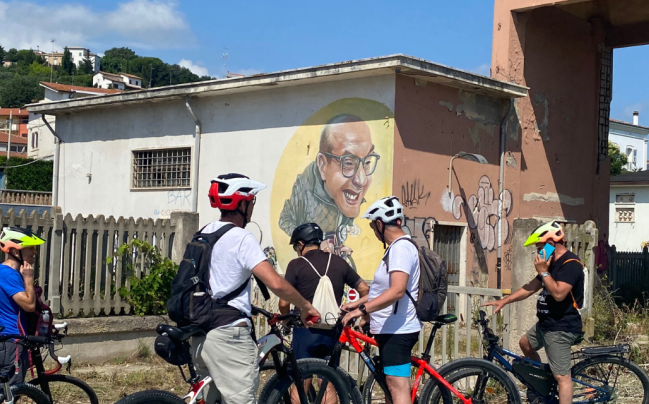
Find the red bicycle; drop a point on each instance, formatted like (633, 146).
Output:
(436, 382)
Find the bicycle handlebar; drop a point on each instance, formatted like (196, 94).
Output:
(294, 318)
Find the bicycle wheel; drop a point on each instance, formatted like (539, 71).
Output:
(151, 397)
(26, 394)
(65, 389)
(373, 392)
(608, 378)
(314, 372)
(478, 379)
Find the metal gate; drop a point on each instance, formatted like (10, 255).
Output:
(447, 243)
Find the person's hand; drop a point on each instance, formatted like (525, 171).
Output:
(541, 263)
(498, 304)
(350, 306)
(307, 312)
(27, 271)
(364, 320)
(351, 316)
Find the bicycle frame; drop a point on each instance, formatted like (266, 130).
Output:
(422, 364)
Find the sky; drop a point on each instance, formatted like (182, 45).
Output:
(249, 37)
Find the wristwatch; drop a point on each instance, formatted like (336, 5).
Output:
(363, 309)
(544, 274)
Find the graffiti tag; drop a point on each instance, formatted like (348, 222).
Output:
(414, 194)
(179, 198)
(509, 258)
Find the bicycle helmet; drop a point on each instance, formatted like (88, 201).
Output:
(549, 231)
(228, 190)
(387, 209)
(18, 238)
(308, 233)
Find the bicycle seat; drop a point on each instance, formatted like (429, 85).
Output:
(179, 333)
(445, 319)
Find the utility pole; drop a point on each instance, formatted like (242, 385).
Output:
(52, 62)
(11, 123)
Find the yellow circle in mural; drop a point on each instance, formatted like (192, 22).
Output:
(335, 165)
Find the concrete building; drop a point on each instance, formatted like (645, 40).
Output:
(121, 81)
(41, 141)
(629, 204)
(632, 139)
(14, 121)
(78, 53)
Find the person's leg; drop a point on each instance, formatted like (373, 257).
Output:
(558, 348)
(531, 342)
(230, 354)
(210, 392)
(395, 351)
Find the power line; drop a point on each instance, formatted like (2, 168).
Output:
(31, 162)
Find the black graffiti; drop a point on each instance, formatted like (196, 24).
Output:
(413, 194)
(509, 258)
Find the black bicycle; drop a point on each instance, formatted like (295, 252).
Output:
(603, 374)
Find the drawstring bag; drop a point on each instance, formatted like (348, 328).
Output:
(324, 299)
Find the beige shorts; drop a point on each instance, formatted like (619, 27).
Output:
(558, 347)
(229, 356)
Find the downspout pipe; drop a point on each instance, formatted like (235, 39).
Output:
(501, 188)
(196, 154)
(57, 158)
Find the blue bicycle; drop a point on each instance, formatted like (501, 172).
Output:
(602, 374)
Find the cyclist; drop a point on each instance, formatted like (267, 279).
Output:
(16, 295)
(561, 277)
(393, 316)
(301, 274)
(228, 353)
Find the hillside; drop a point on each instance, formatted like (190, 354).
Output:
(19, 82)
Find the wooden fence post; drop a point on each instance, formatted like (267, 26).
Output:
(54, 245)
(185, 224)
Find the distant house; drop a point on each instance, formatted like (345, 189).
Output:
(631, 138)
(629, 211)
(78, 54)
(13, 122)
(119, 81)
(41, 142)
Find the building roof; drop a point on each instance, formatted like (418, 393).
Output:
(639, 178)
(131, 76)
(402, 64)
(78, 89)
(4, 138)
(14, 112)
(111, 76)
(629, 124)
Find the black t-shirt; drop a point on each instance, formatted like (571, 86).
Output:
(562, 316)
(303, 278)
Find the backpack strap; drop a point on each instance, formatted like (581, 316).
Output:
(386, 259)
(316, 271)
(574, 302)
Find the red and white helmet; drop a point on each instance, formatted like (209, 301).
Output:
(228, 190)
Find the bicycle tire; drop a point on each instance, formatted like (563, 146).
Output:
(151, 397)
(24, 390)
(275, 388)
(460, 368)
(88, 391)
(581, 367)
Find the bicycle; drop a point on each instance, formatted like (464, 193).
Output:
(288, 373)
(22, 393)
(591, 372)
(436, 378)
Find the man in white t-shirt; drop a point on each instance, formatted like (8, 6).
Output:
(228, 353)
(393, 316)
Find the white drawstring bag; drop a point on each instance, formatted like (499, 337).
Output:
(324, 299)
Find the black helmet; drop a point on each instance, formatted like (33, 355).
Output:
(308, 233)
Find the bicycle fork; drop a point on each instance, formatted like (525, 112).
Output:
(9, 397)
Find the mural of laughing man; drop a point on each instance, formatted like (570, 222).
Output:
(331, 189)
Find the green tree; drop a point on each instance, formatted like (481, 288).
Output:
(12, 55)
(66, 62)
(120, 53)
(38, 70)
(2, 54)
(86, 66)
(33, 177)
(618, 159)
(20, 90)
(25, 57)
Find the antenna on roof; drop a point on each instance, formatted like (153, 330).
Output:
(225, 57)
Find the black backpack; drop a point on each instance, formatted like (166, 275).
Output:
(191, 301)
(433, 283)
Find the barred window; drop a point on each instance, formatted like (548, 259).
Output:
(163, 168)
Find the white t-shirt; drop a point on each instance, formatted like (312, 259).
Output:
(233, 258)
(403, 258)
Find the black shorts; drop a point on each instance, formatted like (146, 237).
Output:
(313, 342)
(395, 351)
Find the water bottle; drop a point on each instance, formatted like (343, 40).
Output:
(45, 323)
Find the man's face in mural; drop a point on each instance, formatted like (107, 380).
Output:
(345, 174)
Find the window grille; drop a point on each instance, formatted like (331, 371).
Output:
(163, 168)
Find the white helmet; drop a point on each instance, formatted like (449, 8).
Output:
(228, 190)
(387, 209)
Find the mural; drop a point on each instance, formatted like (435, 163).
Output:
(483, 215)
(336, 163)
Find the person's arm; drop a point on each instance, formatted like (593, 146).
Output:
(559, 290)
(560, 283)
(280, 287)
(397, 289)
(26, 299)
(283, 305)
(523, 293)
(363, 296)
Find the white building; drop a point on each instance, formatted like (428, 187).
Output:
(629, 211)
(631, 138)
(41, 142)
(79, 54)
(121, 81)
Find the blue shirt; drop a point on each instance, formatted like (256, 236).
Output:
(11, 282)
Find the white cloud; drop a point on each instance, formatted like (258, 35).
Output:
(147, 24)
(196, 69)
